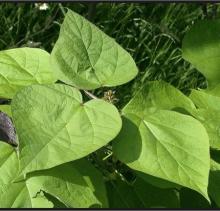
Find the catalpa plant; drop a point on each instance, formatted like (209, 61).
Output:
(53, 139)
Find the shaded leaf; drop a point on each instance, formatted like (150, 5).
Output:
(208, 113)
(140, 195)
(65, 183)
(7, 130)
(201, 48)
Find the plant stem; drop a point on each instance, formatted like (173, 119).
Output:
(90, 94)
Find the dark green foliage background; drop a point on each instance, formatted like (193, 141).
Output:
(151, 32)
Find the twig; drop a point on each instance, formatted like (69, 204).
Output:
(90, 94)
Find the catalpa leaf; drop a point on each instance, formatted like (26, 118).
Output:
(8, 164)
(208, 113)
(87, 58)
(54, 125)
(93, 178)
(204, 100)
(190, 199)
(67, 184)
(201, 48)
(21, 67)
(161, 95)
(168, 145)
(214, 181)
(6, 109)
(20, 195)
(140, 195)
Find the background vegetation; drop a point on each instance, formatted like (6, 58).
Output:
(151, 32)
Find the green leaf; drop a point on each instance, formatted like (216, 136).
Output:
(167, 145)
(65, 183)
(205, 100)
(21, 67)
(208, 113)
(54, 126)
(161, 95)
(6, 109)
(8, 163)
(158, 182)
(140, 195)
(214, 182)
(93, 178)
(87, 58)
(192, 200)
(201, 48)
(69, 183)
(19, 195)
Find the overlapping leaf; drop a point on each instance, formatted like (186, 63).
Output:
(140, 195)
(201, 48)
(21, 67)
(214, 179)
(69, 183)
(164, 144)
(6, 109)
(208, 113)
(54, 125)
(20, 195)
(8, 163)
(161, 95)
(87, 58)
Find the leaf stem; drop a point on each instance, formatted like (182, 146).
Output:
(90, 94)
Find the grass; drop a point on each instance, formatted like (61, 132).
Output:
(151, 32)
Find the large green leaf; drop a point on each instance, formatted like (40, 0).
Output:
(93, 178)
(54, 125)
(208, 113)
(21, 67)
(140, 195)
(161, 95)
(20, 195)
(8, 164)
(168, 145)
(67, 184)
(87, 58)
(201, 48)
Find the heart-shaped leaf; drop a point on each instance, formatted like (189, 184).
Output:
(21, 67)
(87, 58)
(201, 48)
(168, 145)
(54, 125)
